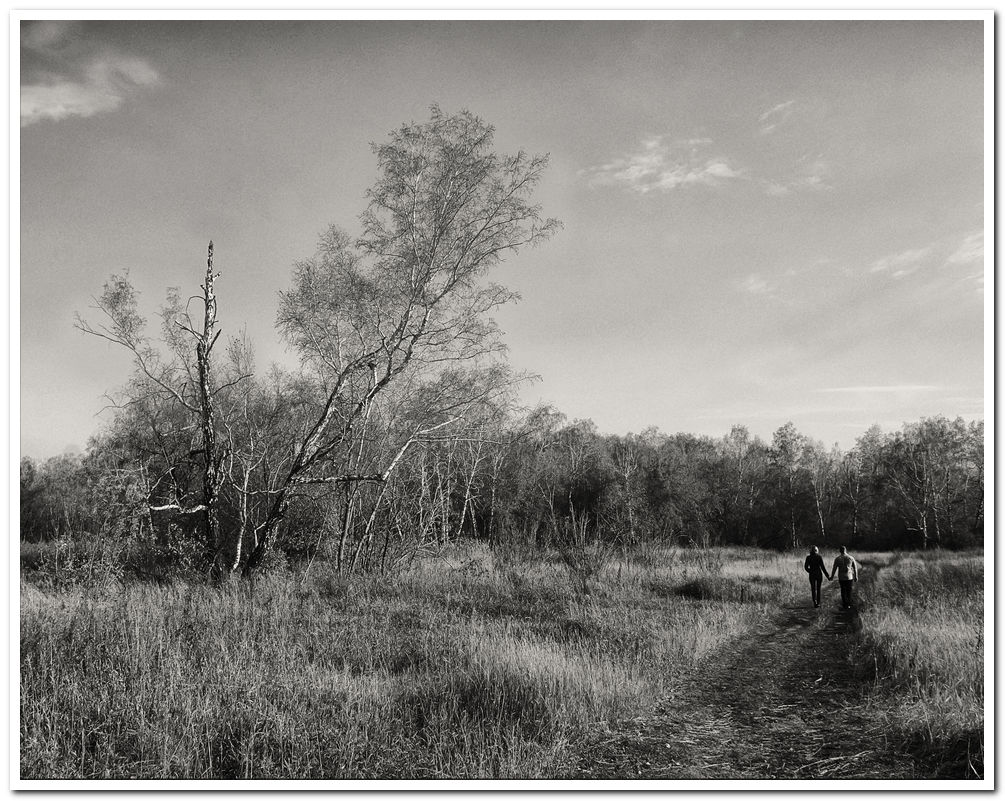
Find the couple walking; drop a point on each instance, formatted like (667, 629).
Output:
(845, 568)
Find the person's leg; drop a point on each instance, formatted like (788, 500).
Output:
(845, 592)
(815, 582)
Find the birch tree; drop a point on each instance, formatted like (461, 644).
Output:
(409, 294)
(787, 453)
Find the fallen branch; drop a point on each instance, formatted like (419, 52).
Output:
(191, 511)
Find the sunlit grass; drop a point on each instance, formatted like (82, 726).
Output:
(471, 664)
(924, 632)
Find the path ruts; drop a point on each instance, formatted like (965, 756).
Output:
(784, 703)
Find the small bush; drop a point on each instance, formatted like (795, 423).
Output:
(71, 563)
(731, 590)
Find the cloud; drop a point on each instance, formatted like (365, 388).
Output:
(970, 251)
(811, 174)
(47, 35)
(755, 285)
(808, 171)
(815, 174)
(657, 165)
(774, 117)
(68, 82)
(969, 259)
(815, 267)
(883, 389)
(901, 264)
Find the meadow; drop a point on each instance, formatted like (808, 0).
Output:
(472, 663)
(923, 641)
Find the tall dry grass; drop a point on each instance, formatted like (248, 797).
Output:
(923, 635)
(472, 664)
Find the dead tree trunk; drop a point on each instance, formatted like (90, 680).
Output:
(213, 475)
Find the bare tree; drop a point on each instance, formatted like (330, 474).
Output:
(175, 379)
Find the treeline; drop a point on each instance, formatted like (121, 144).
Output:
(538, 480)
(399, 429)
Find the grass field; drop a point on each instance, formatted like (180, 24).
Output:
(923, 638)
(472, 664)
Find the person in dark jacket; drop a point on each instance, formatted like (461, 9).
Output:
(814, 565)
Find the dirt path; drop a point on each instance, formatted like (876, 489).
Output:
(786, 703)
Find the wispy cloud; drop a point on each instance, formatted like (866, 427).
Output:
(658, 165)
(902, 263)
(77, 84)
(815, 174)
(970, 250)
(754, 284)
(811, 174)
(774, 117)
(661, 164)
(969, 258)
(884, 389)
(815, 267)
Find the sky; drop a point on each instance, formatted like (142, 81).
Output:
(764, 221)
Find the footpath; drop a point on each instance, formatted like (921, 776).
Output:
(787, 702)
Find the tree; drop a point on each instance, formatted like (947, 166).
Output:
(742, 478)
(862, 483)
(930, 466)
(972, 491)
(445, 485)
(788, 451)
(626, 458)
(31, 525)
(821, 473)
(686, 469)
(174, 378)
(406, 296)
(259, 424)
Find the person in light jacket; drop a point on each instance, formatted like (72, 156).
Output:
(814, 565)
(846, 570)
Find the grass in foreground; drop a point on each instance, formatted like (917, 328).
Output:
(473, 664)
(923, 638)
